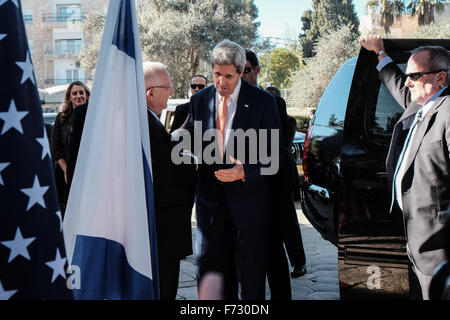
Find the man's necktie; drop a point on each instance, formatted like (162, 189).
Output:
(418, 118)
(220, 123)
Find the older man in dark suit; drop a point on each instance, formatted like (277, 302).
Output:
(171, 184)
(233, 198)
(418, 162)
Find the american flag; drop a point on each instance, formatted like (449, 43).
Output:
(32, 255)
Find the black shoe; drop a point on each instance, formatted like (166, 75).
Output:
(298, 271)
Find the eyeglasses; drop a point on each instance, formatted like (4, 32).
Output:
(166, 87)
(417, 75)
(200, 86)
(248, 69)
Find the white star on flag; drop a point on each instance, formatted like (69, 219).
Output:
(44, 143)
(6, 294)
(27, 68)
(13, 1)
(12, 118)
(18, 246)
(35, 193)
(2, 35)
(58, 213)
(3, 165)
(58, 266)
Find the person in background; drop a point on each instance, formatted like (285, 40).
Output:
(274, 90)
(284, 227)
(198, 83)
(77, 93)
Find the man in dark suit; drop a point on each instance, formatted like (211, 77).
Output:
(418, 161)
(198, 82)
(171, 185)
(232, 199)
(284, 227)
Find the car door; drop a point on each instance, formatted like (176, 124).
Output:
(372, 256)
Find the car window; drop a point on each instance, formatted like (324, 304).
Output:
(384, 116)
(333, 104)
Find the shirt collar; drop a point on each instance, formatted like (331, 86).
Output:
(234, 96)
(427, 106)
(154, 114)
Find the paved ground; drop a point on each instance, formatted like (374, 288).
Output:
(319, 283)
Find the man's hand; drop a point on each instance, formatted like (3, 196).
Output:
(372, 43)
(232, 174)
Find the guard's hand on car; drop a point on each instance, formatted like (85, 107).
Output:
(372, 43)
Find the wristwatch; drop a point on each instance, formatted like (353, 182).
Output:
(379, 53)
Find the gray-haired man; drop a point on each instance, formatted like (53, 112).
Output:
(233, 199)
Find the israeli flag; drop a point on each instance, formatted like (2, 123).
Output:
(109, 226)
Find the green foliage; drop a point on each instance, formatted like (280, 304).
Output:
(182, 34)
(389, 9)
(283, 64)
(433, 31)
(309, 82)
(326, 16)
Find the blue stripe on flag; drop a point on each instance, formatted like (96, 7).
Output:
(110, 275)
(151, 224)
(123, 34)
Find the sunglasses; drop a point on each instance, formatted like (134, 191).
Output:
(200, 86)
(248, 69)
(417, 75)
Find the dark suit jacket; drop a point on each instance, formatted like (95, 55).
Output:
(247, 201)
(181, 113)
(172, 184)
(425, 185)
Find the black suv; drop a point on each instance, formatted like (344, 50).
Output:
(345, 194)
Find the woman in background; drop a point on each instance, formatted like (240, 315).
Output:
(77, 93)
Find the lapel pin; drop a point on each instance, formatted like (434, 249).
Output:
(246, 105)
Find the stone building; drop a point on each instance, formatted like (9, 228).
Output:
(55, 36)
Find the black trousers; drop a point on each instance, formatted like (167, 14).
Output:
(169, 271)
(239, 257)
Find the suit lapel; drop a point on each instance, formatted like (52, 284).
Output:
(422, 130)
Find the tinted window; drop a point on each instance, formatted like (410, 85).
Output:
(384, 116)
(333, 104)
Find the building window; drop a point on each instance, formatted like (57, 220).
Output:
(68, 46)
(28, 18)
(68, 12)
(72, 75)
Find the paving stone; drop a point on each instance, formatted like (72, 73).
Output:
(326, 274)
(324, 296)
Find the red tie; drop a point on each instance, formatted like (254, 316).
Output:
(221, 121)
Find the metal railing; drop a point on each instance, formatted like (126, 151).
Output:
(68, 49)
(58, 81)
(54, 17)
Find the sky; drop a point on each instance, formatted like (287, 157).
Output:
(281, 18)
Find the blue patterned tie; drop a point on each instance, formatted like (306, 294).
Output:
(401, 158)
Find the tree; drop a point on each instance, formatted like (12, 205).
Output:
(389, 9)
(326, 16)
(332, 50)
(425, 9)
(283, 64)
(182, 33)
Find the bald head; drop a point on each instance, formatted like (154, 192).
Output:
(158, 85)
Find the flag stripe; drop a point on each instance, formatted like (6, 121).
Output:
(123, 34)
